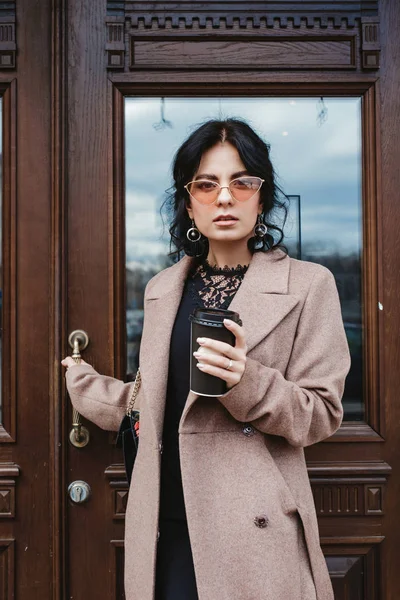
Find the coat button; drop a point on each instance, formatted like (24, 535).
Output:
(261, 521)
(248, 430)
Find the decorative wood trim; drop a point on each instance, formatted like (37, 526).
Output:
(373, 429)
(371, 47)
(116, 471)
(177, 14)
(297, 18)
(9, 470)
(349, 489)
(372, 289)
(8, 45)
(116, 195)
(120, 498)
(7, 560)
(7, 499)
(9, 264)
(363, 541)
(355, 431)
(353, 469)
(8, 474)
(257, 52)
(115, 45)
(119, 489)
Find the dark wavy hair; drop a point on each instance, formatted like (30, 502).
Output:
(254, 153)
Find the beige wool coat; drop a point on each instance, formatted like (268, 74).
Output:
(250, 510)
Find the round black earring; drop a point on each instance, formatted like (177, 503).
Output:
(197, 245)
(260, 229)
(193, 234)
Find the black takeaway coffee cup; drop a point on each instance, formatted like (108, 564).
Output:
(209, 322)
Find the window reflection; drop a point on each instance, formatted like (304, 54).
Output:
(316, 153)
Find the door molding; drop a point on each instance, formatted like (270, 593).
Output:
(291, 34)
(372, 429)
(8, 92)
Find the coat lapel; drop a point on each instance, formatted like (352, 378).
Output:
(161, 306)
(262, 302)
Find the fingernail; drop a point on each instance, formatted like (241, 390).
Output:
(196, 354)
(201, 340)
(228, 322)
(200, 365)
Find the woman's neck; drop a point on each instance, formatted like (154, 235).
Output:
(229, 255)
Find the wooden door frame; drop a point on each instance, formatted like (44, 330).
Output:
(372, 429)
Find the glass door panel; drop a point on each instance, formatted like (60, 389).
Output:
(316, 152)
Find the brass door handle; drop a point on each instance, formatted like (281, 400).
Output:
(79, 435)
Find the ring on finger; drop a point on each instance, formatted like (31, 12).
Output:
(228, 368)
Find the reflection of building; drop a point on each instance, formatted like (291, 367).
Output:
(137, 276)
(292, 228)
(347, 272)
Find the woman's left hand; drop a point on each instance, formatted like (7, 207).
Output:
(223, 360)
(69, 362)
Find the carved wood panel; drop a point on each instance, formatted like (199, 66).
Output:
(354, 567)
(117, 566)
(285, 35)
(119, 490)
(258, 53)
(7, 583)
(8, 46)
(349, 489)
(8, 476)
(7, 499)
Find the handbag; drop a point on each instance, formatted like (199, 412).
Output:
(128, 434)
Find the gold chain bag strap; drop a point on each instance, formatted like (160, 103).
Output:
(135, 391)
(128, 434)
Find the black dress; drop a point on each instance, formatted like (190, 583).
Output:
(205, 286)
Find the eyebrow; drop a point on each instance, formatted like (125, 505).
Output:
(214, 177)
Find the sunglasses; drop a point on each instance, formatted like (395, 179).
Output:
(241, 189)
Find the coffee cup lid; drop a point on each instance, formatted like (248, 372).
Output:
(213, 317)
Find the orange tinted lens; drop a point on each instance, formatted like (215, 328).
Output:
(204, 191)
(244, 188)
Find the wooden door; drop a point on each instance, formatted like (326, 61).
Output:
(88, 90)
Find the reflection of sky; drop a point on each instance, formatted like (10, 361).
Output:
(321, 163)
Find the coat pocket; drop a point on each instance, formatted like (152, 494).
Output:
(317, 563)
(307, 586)
(288, 501)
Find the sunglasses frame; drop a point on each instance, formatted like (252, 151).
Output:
(221, 187)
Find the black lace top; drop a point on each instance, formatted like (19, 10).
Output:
(210, 287)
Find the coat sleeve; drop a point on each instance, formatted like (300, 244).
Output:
(304, 406)
(99, 398)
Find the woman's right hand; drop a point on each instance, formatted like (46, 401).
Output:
(68, 362)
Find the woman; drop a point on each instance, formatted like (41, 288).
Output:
(220, 504)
